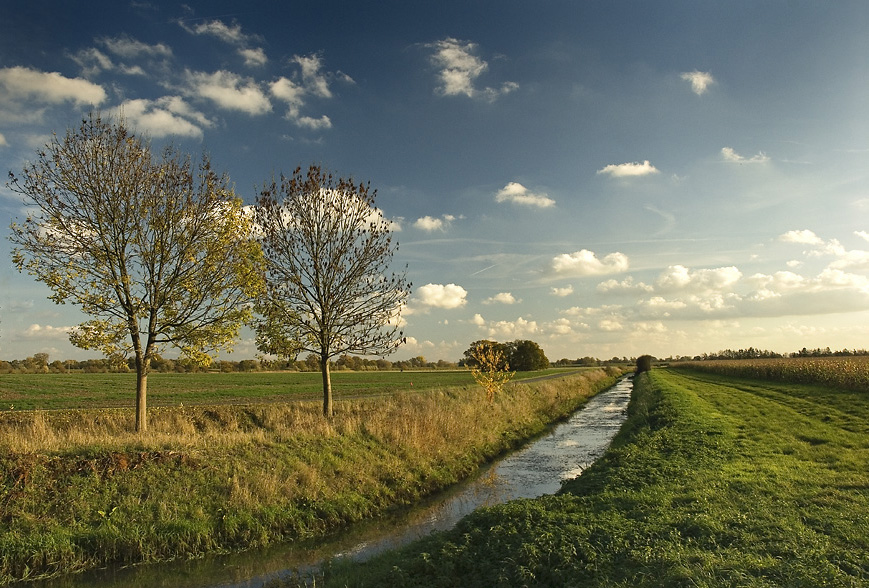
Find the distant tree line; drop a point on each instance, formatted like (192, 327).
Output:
(826, 352)
(311, 363)
(588, 361)
(525, 354)
(752, 353)
(40, 363)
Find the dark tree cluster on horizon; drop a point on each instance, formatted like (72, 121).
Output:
(521, 355)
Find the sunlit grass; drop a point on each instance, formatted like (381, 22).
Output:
(80, 489)
(711, 482)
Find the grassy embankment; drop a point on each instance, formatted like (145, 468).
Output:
(79, 490)
(712, 482)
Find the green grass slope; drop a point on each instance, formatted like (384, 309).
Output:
(711, 482)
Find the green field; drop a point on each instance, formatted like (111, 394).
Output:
(59, 391)
(713, 481)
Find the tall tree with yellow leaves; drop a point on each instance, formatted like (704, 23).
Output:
(157, 249)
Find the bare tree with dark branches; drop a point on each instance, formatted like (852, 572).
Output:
(329, 290)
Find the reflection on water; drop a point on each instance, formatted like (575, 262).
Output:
(537, 469)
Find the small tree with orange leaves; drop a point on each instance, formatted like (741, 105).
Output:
(490, 369)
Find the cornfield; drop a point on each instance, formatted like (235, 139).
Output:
(850, 373)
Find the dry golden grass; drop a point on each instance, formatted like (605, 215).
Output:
(365, 440)
(416, 421)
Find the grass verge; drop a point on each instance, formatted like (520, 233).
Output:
(78, 491)
(712, 482)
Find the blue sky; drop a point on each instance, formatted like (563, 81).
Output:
(606, 178)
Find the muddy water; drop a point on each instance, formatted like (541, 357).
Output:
(537, 469)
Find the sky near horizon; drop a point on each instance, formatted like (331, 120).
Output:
(606, 178)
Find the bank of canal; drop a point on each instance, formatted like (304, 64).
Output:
(537, 469)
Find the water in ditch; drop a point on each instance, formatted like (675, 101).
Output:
(538, 468)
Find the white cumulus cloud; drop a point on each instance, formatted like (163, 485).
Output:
(851, 259)
(459, 69)
(561, 326)
(309, 82)
(610, 324)
(231, 34)
(518, 329)
(770, 286)
(432, 224)
(501, 298)
(700, 81)
(562, 292)
(164, 117)
(255, 57)
(804, 236)
(626, 285)
(728, 154)
(129, 48)
(519, 194)
(662, 304)
(586, 263)
(47, 332)
(290, 92)
(315, 124)
(442, 296)
(627, 170)
(230, 91)
(315, 81)
(93, 60)
(23, 85)
(679, 277)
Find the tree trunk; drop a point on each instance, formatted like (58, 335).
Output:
(141, 399)
(142, 369)
(327, 387)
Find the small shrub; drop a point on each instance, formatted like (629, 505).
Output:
(491, 370)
